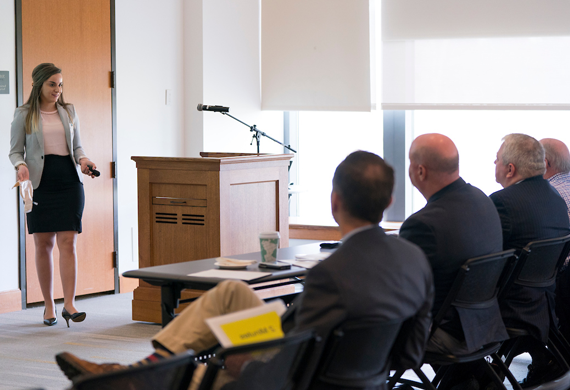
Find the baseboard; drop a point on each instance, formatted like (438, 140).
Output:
(10, 301)
(127, 284)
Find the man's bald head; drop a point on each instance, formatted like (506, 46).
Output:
(436, 152)
(557, 157)
(434, 163)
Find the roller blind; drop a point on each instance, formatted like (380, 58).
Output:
(503, 54)
(316, 55)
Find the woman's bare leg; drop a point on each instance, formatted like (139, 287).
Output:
(66, 242)
(44, 243)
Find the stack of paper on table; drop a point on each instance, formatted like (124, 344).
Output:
(254, 325)
(309, 261)
(313, 257)
(224, 274)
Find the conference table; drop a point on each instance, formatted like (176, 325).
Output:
(173, 278)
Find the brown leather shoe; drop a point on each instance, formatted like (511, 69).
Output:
(73, 367)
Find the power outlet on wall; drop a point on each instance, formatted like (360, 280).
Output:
(168, 97)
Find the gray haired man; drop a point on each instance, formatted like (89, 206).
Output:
(530, 210)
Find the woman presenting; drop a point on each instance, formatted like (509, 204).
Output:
(45, 148)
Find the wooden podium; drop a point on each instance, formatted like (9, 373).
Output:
(197, 208)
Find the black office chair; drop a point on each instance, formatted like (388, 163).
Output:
(537, 267)
(475, 287)
(356, 355)
(173, 373)
(281, 362)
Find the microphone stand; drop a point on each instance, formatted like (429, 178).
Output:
(258, 134)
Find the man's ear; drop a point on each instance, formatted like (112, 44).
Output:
(511, 170)
(335, 202)
(390, 202)
(422, 173)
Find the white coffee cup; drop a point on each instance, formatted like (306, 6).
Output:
(269, 242)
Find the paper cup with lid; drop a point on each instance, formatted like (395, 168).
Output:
(269, 242)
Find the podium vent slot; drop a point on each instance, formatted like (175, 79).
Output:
(183, 219)
(169, 218)
(193, 219)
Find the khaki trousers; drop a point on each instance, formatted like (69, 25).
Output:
(189, 329)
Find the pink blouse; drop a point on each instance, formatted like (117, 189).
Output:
(54, 134)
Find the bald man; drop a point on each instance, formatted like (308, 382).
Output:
(459, 222)
(557, 159)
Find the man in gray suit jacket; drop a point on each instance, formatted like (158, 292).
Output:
(372, 276)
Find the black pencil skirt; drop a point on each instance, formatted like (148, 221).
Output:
(59, 199)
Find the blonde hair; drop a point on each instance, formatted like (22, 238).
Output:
(40, 75)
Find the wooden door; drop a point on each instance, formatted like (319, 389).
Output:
(76, 37)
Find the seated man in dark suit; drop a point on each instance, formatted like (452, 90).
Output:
(530, 209)
(371, 276)
(458, 223)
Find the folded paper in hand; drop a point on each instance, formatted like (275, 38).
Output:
(27, 193)
(254, 325)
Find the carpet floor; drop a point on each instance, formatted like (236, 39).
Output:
(108, 334)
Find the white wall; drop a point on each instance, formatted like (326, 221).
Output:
(193, 80)
(149, 38)
(8, 196)
(231, 74)
(206, 51)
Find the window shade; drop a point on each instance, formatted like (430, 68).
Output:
(445, 54)
(316, 55)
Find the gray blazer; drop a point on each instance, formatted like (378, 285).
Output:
(29, 148)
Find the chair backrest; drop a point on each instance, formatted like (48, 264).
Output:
(540, 261)
(279, 362)
(174, 373)
(356, 355)
(477, 283)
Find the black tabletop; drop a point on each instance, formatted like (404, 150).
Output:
(178, 272)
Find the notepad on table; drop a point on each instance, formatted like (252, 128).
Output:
(225, 274)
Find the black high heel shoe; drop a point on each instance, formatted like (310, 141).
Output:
(50, 321)
(76, 317)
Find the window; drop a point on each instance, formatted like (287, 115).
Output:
(478, 134)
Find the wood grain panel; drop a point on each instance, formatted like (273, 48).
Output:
(179, 191)
(241, 199)
(311, 232)
(127, 284)
(180, 238)
(146, 304)
(253, 209)
(76, 36)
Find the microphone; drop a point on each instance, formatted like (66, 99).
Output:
(95, 172)
(203, 107)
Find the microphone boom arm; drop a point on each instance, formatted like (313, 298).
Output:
(258, 134)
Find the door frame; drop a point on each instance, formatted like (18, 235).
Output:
(20, 101)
